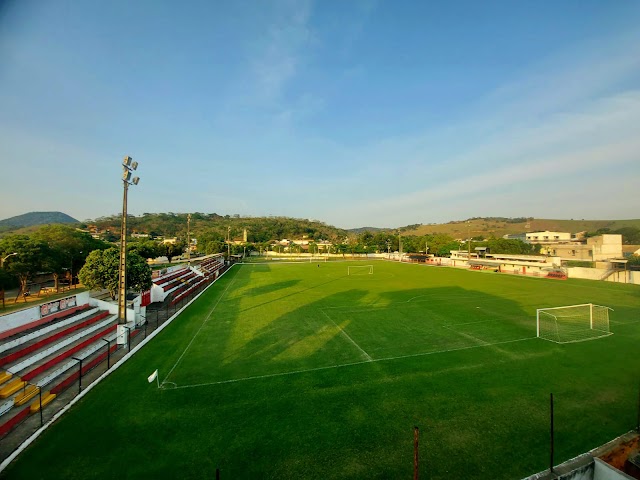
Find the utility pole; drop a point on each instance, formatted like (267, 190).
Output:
(189, 239)
(469, 241)
(229, 243)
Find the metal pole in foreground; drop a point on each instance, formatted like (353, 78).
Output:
(108, 353)
(638, 427)
(79, 374)
(128, 338)
(551, 434)
(40, 395)
(416, 438)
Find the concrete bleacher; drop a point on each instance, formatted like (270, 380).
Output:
(47, 319)
(170, 278)
(174, 283)
(47, 349)
(188, 289)
(205, 272)
(211, 266)
(33, 339)
(39, 358)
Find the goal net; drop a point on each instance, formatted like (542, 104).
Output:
(574, 323)
(360, 270)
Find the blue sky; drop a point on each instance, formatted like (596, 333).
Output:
(351, 112)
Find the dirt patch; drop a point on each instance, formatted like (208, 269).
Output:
(618, 456)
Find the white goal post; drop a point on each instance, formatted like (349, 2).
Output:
(360, 270)
(573, 323)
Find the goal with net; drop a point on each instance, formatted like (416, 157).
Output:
(573, 323)
(360, 270)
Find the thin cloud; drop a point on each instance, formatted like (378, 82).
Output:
(518, 145)
(279, 56)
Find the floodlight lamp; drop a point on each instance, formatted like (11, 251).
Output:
(127, 161)
(126, 176)
(134, 165)
(136, 180)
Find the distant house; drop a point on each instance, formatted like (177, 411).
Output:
(595, 249)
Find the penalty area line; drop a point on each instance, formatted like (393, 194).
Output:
(329, 367)
(366, 355)
(196, 334)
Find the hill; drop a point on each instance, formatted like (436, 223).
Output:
(214, 227)
(36, 218)
(367, 229)
(499, 226)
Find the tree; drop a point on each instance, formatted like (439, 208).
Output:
(68, 249)
(109, 236)
(173, 249)
(634, 260)
(6, 281)
(146, 249)
(503, 245)
(31, 258)
(100, 271)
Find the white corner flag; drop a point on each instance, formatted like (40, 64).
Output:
(154, 376)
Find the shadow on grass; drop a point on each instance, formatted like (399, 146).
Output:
(271, 287)
(343, 327)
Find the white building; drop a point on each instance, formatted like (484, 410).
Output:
(546, 236)
(596, 249)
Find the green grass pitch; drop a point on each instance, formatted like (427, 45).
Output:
(300, 371)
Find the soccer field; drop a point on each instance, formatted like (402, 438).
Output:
(302, 371)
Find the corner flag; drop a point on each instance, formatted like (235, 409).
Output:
(153, 376)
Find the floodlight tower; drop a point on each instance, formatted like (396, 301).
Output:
(128, 166)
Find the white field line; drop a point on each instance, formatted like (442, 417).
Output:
(608, 334)
(196, 334)
(466, 335)
(469, 323)
(411, 299)
(366, 355)
(291, 262)
(295, 372)
(620, 324)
